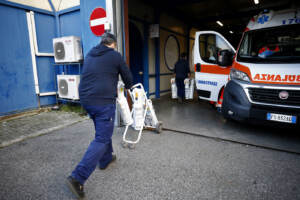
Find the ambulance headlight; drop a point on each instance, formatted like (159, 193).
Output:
(239, 75)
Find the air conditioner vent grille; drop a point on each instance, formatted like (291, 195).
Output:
(59, 50)
(63, 86)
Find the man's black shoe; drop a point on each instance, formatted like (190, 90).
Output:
(113, 159)
(75, 187)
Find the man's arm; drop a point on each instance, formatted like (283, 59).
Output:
(188, 69)
(125, 74)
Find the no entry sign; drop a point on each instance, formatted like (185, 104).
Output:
(97, 21)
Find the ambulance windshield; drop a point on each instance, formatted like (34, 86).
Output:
(272, 45)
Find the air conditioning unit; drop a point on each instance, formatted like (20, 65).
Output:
(67, 49)
(68, 86)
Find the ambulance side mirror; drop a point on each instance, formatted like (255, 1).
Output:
(225, 58)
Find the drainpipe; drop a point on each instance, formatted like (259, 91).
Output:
(35, 52)
(34, 68)
(36, 49)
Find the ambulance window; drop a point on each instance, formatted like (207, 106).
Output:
(221, 44)
(244, 50)
(210, 45)
(271, 45)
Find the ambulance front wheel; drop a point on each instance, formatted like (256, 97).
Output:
(159, 127)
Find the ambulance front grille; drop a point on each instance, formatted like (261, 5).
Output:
(271, 96)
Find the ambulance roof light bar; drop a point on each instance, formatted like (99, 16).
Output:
(220, 23)
(256, 2)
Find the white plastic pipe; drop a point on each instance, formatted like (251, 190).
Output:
(36, 49)
(33, 58)
(48, 94)
(34, 68)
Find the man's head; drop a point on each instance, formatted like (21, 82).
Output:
(183, 55)
(109, 40)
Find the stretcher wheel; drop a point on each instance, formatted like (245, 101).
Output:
(159, 127)
(131, 146)
(124, 144)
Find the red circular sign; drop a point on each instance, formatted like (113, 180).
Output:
(97, 20)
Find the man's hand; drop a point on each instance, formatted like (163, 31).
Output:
(172, 80)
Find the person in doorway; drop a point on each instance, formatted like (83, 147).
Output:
(182, 71)
(98, 91)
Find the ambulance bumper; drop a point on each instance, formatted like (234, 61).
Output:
(235, 102)
(237, 105)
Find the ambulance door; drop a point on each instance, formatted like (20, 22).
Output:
(210, 77)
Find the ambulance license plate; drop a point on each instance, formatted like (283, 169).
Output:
(282, 118)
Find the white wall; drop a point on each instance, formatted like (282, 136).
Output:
(180, 28)
(64, 4)
(44, 4)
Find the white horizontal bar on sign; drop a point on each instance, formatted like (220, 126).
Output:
(97, 22)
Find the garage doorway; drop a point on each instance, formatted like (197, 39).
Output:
(136, 53)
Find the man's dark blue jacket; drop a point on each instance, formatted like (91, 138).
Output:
(100, 75)
(182, 69)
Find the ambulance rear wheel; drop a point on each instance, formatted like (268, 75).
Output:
(159, 127)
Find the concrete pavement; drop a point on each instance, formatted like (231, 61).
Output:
(170, 165)
(200, 118)
(33, 125)
(165, 166)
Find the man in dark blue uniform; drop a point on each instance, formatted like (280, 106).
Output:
(182, 71)
(98, 92)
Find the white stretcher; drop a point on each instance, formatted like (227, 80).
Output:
(142, 114)
(189, 85)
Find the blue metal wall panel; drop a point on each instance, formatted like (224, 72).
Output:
(89, 40)
(48, 100)
(46, 74)
(68, 10)
(17, 83)
(70, 24)
(17, 91)
(45, 31)
(146, 59)
(25, 7)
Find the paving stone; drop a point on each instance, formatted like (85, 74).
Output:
(15, 130)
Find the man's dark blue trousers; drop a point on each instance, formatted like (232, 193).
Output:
(100, 149)
(180, 87)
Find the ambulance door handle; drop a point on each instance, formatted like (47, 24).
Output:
(198, 67)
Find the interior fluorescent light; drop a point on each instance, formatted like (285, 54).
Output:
(256, 1)
(220, 23)
(231, 32)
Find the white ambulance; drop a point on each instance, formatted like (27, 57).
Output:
(259, 81)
